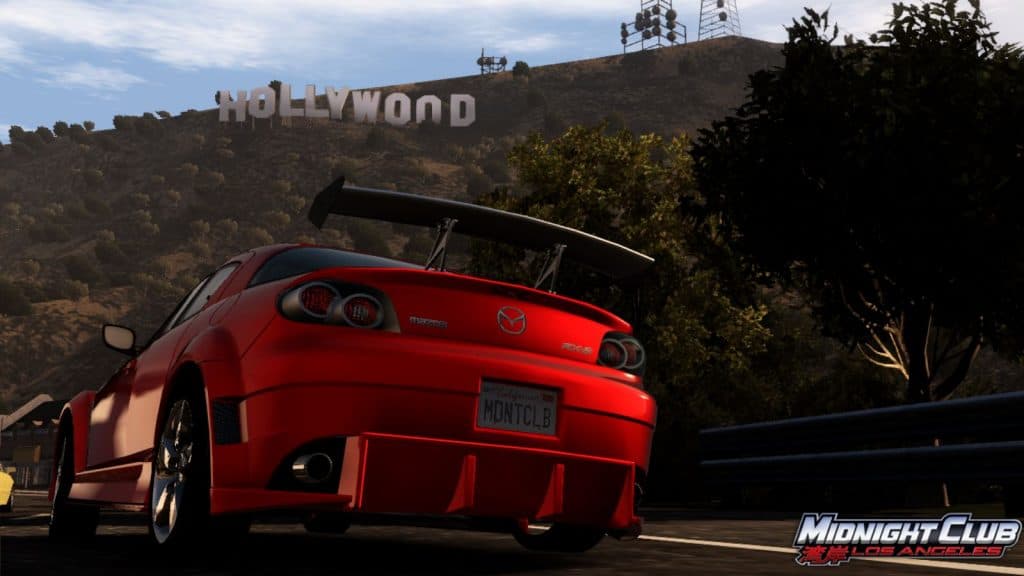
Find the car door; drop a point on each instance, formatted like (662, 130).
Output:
(153, 373)
(109, 436)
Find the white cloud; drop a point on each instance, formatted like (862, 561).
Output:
(284, 35)
(10, 53)
(85, 75)
(251, 34)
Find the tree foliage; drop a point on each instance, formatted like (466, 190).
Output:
(883, 179)
(521, 69)
(701, 338)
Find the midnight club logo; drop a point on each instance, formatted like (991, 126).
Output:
(825, 540)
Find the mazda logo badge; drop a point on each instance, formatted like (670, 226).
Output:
(512, 320)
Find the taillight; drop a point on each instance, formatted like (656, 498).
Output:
(622, 352)
(316, 298)
(339, 303)
(612, 354)
(362, 311)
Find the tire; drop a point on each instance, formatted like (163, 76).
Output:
(327, 522)
(179, 508)
(69, 521)
(560, 538)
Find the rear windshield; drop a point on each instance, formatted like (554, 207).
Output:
(303, 260)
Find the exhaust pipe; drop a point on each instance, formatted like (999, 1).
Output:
(312, 468)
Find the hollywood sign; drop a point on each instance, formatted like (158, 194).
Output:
(399, 109)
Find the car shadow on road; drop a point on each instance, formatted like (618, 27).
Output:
(279, 554)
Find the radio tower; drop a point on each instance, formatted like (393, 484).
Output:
(654, 26)
(718, 18)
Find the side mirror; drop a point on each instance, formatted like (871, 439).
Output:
(119, 338)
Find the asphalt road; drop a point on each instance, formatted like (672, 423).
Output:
(675, 542)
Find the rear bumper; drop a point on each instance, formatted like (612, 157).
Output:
(389, 473)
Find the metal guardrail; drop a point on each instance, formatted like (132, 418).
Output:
(982, 438)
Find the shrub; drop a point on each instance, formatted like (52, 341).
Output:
(521, 70)
(45, 134)
(77, 133)
(109, 253)
(89, 125)
(124, 123)
(96, 205)
(163, 114)
(81, 267)
(227, 227)
(12, 299)
(48, 232)
(225, 154)
(73, 289)
(93, 177)
(60, 128)
(255, 236)
(478, 183)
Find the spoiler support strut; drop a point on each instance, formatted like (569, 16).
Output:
(440, 249)
(550, 269)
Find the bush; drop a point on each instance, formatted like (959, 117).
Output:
(33, 140)
(225, 154)
(12, 299)
(138, 200)
(89, 125)
(276, 220)
(209, 181)
(45, 134)
(96, 205)
(77, 133)
(93, 177)
(199, 228)
(227, 227)
(48, 232)
(521, 70)
(109, 253)
(73, 289)
(124, 123)
(255, 236)
(81, 267)
(31, 268)
(60, 128)
(163, 114)
(478, 183)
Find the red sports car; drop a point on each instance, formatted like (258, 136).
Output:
(349, 387)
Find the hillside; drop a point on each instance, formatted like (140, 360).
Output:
(114, 226)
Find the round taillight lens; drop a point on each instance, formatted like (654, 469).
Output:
(612, 353)
(362, 311)
(316, 299)
(634, 353)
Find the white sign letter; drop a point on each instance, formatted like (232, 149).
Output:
(227, 105)
(311, 110)
(269, 102)
(336, 100)
(458, 118)
(365, 105)
(435, 109)
(404, 109)
(286, 103)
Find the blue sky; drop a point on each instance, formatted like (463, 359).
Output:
(77, 60)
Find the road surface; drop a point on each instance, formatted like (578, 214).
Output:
(675, 542)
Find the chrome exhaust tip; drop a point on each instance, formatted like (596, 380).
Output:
(312, 468)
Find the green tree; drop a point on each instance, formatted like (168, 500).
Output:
(521, 70)
(879, 179)
(700, 340)
(89, 125)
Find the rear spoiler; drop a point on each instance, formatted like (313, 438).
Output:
(603, 256)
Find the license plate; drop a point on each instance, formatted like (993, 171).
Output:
(518, 408)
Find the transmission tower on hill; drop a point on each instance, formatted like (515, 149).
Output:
(654, 26)
(718, 18)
